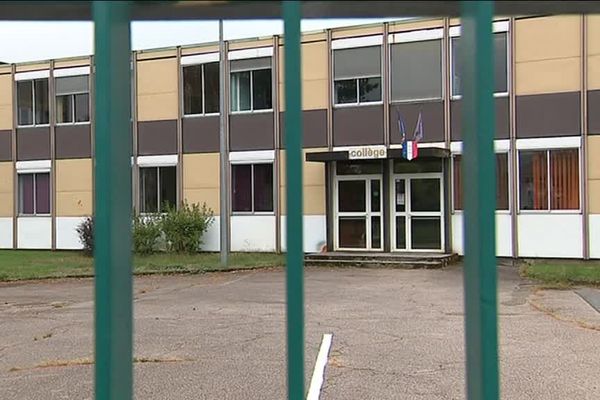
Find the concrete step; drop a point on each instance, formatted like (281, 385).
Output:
(387, 260)
(370, 263)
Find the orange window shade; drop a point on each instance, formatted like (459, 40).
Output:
(564, 179)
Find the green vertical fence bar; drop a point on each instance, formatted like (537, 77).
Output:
(112, 253)
(480, 201)
(294, 231)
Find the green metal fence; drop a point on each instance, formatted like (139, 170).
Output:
(113, 261)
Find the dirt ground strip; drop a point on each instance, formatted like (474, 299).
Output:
(397, 334)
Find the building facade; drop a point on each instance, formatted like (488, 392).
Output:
(369, 93)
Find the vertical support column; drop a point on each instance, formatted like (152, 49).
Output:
(92, 110)
(480, 202)
(179, 128)
(294, 229)
(135, 187)
(447, 163)
(277, 142)
(385, 62)
(113, 295)
(329, 92)
(585, 223)
(13, 143)
(223, 151)
(513, 153)
(52, 120)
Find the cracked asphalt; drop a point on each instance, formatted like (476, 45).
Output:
(397, 334)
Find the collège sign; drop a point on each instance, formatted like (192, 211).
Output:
(367, 152)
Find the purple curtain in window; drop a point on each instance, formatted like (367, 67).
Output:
(263, 187)
(42, 193)
(26, 194)
(242, 187)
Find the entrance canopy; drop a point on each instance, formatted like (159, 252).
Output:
(390, 154)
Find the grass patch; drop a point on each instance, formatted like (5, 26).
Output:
(39, 264)
(563, 274)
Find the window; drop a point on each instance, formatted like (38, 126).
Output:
(72, 99)
(158, 189)
(252, 186)
(251, 84)
(549, 179)
(34, 193)
(500, 65)
(416, 70)
(32, 102)
(357, 75)
(201, 89)
(501, 182)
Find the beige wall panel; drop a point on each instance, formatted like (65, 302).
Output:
(74, 188)
(593, 34)
(416, 25)
(157, 107)
(157, 89)
(6, 189)
(313, 173)
(313, 200)
(559, 75)
(201, 179)
(250, 44)
(6, 114)
(200, 50)
(5, 69)
(547, 38)
(594, 196)
(32, 67)
(593, 143)
(152, 54)
(594, 72)
(356, 31)
(79, 62)
(200, 196)
(73, 204)
(313, 180)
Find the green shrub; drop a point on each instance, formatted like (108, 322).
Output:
(146, 231)
(183, 228)
(85, 230)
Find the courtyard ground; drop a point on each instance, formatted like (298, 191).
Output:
(397, 334)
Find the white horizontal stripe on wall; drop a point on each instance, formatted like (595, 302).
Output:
(416, 36)
(199, 59)
(500, 145)
(350, 43)
(594, 235)
(499, 26)
(25, 76)
(66, 233)
(34, 233)
(315, 233)
(72, 71)
(211, 238)
(6, 233)
(253, 233)
(503, 234)
(250, 53)
(549, 143)
(238, 157)
(158, 161)
(550, 235)
(33, 166)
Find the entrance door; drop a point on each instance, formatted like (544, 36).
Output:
(359, 207)
(418, 212)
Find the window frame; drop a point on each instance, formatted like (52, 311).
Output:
(158, 196)
(182, 94)
(497, 27)
(549, 209)
(72, 96)
(35, 172)
(33, 103)
(251, 110)
(358, 103)
(252, 188)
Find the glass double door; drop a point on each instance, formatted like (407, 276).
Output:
(359, 206)
(417, 212)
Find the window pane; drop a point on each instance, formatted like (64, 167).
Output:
(426, 233)
(211, 87)
(148, 190)
(261, 87)
(352, 232)
(376, 232)
(241, 185)
(345, 91)
(375, 195)
(41, 101)
(425, 194)
(26, 194)
(168, 188)
(240, 91)
(401, 232)
(351, 196)
(533, 180)
(500, 56)
(42, 193)
(82, 107)
(72, 84)
(400, 195)
(263, 187)
(192, 89)
(357, 62)
(502, 181)
(564, 179)
(457, 189)
(25, 102)
(416, 70)
(370, 89)
(64, 109)
(456, 74)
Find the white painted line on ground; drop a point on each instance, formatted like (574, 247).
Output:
(317, 379)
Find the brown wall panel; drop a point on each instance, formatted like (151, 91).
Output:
(542, 115)
(251, 131)
(314, 128)
(73, 141)
(594, 112)
(432, 115)
(33, 143)
(157, 137)
(201, 134)
(502, 119)
(5, 145)
(358, 125)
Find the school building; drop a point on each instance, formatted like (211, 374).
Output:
(382, 139)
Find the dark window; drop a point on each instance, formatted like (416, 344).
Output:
(357, 75)
(501, 182)
(82, 107)
(345, 91)
(240, 91)
(34, 193)
(72, 99)
(369, 89)
(251, 90)
(32, 102)
(252, 186)
(42, 113)
(158, 189)
(192, 89)
(261, 89)
(64, 109)
(211, 88)
(25, 102)
(416, 70)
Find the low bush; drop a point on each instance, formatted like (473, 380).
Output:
(183, 228)
(85, 230)
(146, 232)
